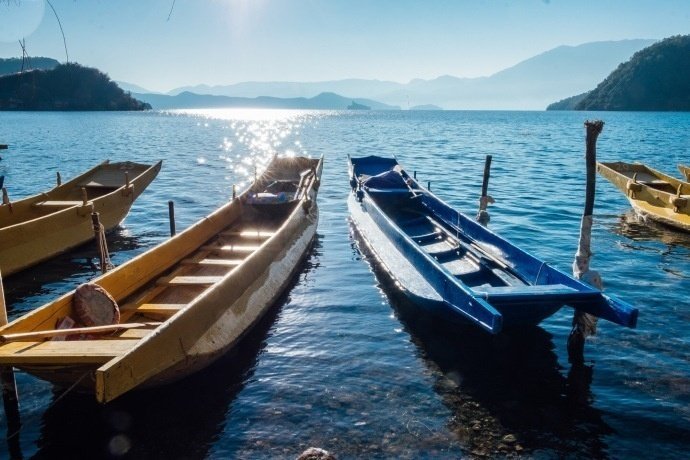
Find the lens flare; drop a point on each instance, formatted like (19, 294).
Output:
(19, 19)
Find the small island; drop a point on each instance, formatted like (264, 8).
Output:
(356, 106)
(425, 107)
(65, 87)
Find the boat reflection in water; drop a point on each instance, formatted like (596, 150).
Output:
(637, 228)
(508, 394)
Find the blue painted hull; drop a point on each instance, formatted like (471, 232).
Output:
(455, 267)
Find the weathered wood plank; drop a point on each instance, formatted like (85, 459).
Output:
(224, 262)
(231, 248)
(64, 352)
(183, 280)
(160, 308)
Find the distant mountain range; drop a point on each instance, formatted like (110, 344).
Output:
(531, 84)
(14, 65)
(323, 101)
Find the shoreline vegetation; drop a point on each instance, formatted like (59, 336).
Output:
(65, 87)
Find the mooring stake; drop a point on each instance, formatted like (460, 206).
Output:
(484, 201)
(171, 216)
(585, 324)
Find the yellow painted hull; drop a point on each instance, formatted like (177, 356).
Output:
(207, 286)
(37, 228)
(651, 193)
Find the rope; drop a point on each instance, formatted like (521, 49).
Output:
(103, 249)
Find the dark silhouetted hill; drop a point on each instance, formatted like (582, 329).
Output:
(14, 65)
(324, 101)
(656, 78)
(66, 87)
(569, 103)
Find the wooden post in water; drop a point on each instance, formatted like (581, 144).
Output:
(59, 179)
(171, 216)
(100, 241)
(584, 324)
(483, 215)
(9, 385)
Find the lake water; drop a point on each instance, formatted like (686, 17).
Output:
(342, 362)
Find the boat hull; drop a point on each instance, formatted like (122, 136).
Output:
(28, 243)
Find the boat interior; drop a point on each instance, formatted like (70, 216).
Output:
(463, 258)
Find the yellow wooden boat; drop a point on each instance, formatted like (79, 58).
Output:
(41, 226)
(184, 302)
(685, 171)
(652, 194)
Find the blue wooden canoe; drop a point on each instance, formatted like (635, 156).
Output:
(457, 268)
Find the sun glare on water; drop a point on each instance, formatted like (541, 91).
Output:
(251, 137)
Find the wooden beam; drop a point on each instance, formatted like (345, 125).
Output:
(160, 308)
(64, 352)
(34, 335)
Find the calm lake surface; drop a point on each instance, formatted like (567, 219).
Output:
(342, 362)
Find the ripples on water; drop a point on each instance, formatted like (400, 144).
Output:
(343, 362)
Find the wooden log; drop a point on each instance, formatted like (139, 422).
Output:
(36, 335)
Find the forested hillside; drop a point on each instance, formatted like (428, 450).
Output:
(656, 78)
(66, 87)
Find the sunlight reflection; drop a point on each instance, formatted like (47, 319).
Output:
(251, 137)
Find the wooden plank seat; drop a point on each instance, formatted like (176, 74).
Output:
(160, 308)
(207, 261)
(544, 292)
(444, 256)
(65, 351)
(187, 280)
(427, 237)
(231, 248)
(249, 234)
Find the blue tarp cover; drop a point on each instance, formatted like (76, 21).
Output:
(386, 180)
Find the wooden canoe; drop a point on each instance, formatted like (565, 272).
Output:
(39, 227)
(186, 301)
(685, 171)
(456, 268)
(651, 193)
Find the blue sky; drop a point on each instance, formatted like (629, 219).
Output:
(230, 41)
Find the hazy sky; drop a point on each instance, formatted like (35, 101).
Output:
(229, 41)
